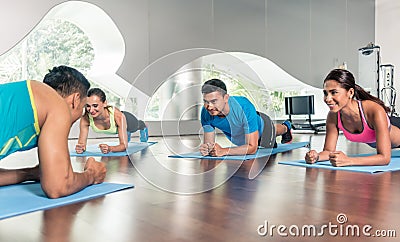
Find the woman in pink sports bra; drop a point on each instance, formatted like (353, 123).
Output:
(362, 118)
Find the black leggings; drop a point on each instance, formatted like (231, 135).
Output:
(267, 138)
(133, 124)
(395, 121)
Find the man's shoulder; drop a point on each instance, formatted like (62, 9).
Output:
(240, 100)
(239, 97)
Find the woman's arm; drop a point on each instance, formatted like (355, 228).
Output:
(120, 122)
(83, 134)
(331, 137)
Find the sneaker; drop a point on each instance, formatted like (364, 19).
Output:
(287, 137)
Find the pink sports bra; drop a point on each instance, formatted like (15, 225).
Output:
(366, 136)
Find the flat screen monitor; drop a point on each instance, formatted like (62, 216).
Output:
(299, 105)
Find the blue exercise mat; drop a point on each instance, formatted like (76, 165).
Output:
(94, 150)
(394, 165)
(29, 197)
(261, 152)
(395, 153)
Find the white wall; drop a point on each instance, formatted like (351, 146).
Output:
(304, 37)
(387, 36)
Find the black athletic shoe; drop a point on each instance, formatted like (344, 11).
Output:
(287, 137)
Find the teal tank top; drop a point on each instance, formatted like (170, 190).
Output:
(18, 117)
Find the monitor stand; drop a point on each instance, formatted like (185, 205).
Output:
(308, 124)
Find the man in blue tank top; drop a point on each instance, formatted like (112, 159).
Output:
(36, 114)
(238, 119)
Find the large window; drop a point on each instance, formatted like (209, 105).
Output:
(53, 42)
(57, 41)
(267, 101)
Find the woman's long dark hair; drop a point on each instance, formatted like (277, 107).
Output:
(97, 92)
(346, 80)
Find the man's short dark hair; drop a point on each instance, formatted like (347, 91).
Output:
(66, 81)
(214, 85)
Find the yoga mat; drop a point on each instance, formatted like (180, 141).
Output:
(395, 153)
(394, 165)
(29, 197)
(261, 152)
(94, 150)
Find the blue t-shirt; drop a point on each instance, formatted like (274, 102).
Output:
(242, 119)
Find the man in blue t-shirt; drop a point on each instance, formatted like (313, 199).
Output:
(238, 119)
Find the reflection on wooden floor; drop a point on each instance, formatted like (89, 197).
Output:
(208, 200)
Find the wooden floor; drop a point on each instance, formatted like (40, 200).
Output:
(204, 200)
